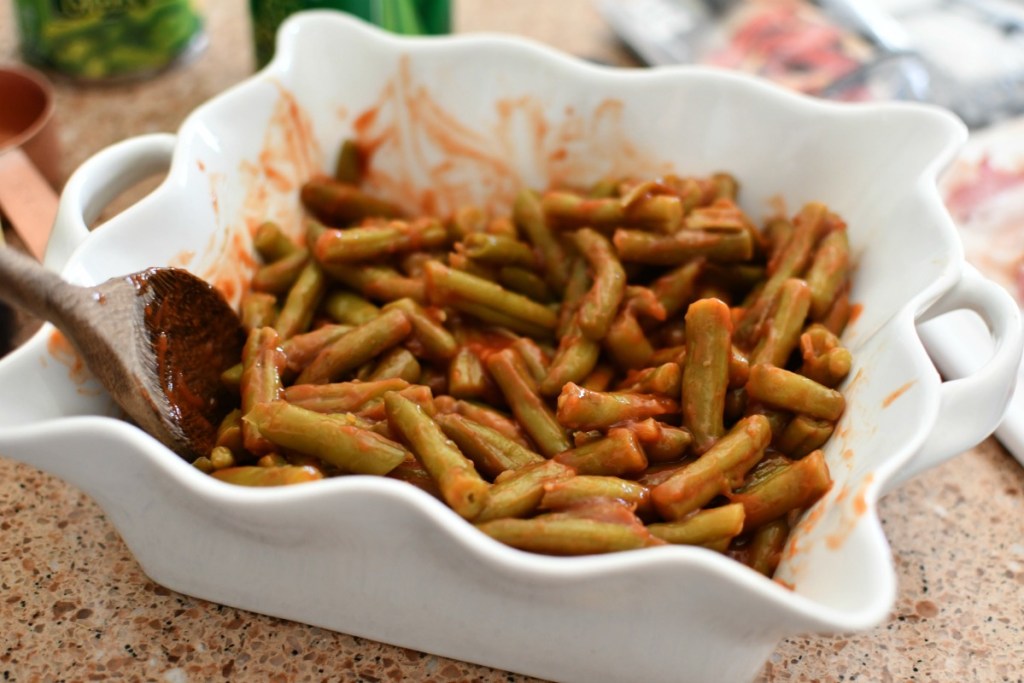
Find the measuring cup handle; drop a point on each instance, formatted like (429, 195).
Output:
(971, 407)
(97, 182)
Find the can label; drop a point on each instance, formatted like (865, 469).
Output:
(412, 17)
(107, 39)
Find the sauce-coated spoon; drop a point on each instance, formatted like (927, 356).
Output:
(157, 340)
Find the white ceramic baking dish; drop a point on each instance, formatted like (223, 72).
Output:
(471, 119)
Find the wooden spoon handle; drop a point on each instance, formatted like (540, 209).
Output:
(26, 284)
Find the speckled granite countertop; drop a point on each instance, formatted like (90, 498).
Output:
(74, 604)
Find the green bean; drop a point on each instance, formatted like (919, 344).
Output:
(342, 204)
(767, 545)
(476, 296)
(271, 243)
(258, 309)
(303, 298)
(573, 362)
(332, 438)
(828, 271)
(301, 349)
(349, 308)
(267, 476)
(460, 484)
(398, 362)
(351, 245)
(576, 288)
(786, 322)
(518, 493)
(412, 471)
(341, 397)
(358, 346)
(713, 527)
(795, 486)
(679, 247)
(528, 216)
(379, 283)
(520, 393)
(534, 358)
(718, 470)
(580, 408)
(661, 442)
(262, 362)
(349, 167)
(229, 433)
(803, 435)
(618, 454)
(489, 417)
(467, 376)
(554, 534)
(676, 289)
(221, 458)
(787, 390)
(490, 450)
(658, 213)
(665, 379)
(435, 341)
(825, 360)
(706, 370)
(567, 493)
(525, 282)
(495, 250)
(599, 305)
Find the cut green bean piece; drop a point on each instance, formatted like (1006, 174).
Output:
(828, 271)
(271, 243)
(709, 527)
(457, 289)
(677, 288)
(427, 329)
(332, 438)
(460, 484)
(617, 455)
(342, 204)
(559, 495)
(258, 309)
(658, 213)
(661, 442)
(521, 394)
(378, 283)
(525, 282)
(357, 347)
(351, 245)
(303, 299)
(706, 371)
(497, 250)
(573, 362)
(680, 247)
(340, 397)
(767, 545)
(599, 305)
(716, 472)
(349, 308)
(301, 349)
(528, 215)
(785, 390)
(398, 362)
(518, 493)
(794, 486)
(490, 450)
(262, 362)
(349, 167)
(551, 535)
(279, 276)
(784, 325)
(580, 408)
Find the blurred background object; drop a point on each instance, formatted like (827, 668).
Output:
(966, 55)
(108, 41)
(411, 17)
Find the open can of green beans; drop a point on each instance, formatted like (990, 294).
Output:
(412, 17)
(108, 40)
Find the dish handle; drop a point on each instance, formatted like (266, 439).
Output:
(972, 406)
(97, 182)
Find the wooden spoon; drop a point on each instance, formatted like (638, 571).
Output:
(158, 341)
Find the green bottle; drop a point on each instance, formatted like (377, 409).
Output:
(413, 17)
(103, 40)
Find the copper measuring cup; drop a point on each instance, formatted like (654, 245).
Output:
(29, 156)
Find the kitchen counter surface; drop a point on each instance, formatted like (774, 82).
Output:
(74, 604)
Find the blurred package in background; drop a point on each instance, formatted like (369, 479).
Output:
(966, 55)
(411, 17)
(104, 40)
